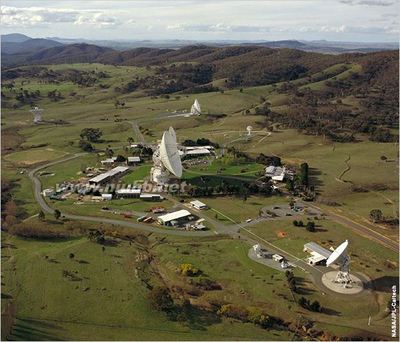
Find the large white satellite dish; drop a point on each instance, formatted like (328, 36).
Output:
(338, 253)
(341, 258)
(169, 153)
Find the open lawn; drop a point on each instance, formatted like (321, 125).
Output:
(237, 209)
(31, 157)
(105, 298)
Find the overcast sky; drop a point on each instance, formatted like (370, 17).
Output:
(344, 20)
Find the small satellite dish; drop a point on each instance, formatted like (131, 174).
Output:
(169, 153)
(249, 129)
(37, 114)
(338, 254)
(195, 109)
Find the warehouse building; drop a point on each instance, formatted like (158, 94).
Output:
(175, 218)
(198, 205)
(319, 254)
(108, 176)
(128, 193)
(133, 160)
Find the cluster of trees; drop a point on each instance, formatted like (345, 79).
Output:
(242, 190)
(96, 236)
(300, 184)
(310, 226)
(199, 142)
(89, 135)
(54, 95)
(268, 160)
(291, 281)
(311, 306)
(249, 315)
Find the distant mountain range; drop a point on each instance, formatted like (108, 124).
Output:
(19, 49)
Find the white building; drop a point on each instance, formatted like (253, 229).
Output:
(172, 219)
(109, 161)
(277, 173)
(277, 257)
(48, 192)
(128, 193)
(198, 205)
(106, 197)
(318, 254)
(133, 160)
(109, 175)
(198, 152)
(151, 197)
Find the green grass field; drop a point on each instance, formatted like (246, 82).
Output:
(109, 301)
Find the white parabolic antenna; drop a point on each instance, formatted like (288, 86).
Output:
(249, 129)
(339, 253)
(196, 109)
(169, 153)
(341, 258)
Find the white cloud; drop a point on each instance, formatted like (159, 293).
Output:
(99, 20)
(40, 16)
(383, 3)
(219, 27)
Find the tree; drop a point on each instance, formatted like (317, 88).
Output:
(315, 306)
(295, 223)
(161, 299)
(304, 174)
(41, 215)
(86, 146)
(120, 159)
(376, 215)
(91, 134)
(310, 226)
(109, 152)
(384, 158)
(303, 302)
(57, 214)
(71, 255)
(300, 224)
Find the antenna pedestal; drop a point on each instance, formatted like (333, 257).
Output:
(343, 278)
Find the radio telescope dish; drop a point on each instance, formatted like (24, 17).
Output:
(249, 129)
(169, 153)
(196, 109)
(338, 253)
(37, 114)
(341, 258)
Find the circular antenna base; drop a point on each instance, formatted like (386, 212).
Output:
(355, 286)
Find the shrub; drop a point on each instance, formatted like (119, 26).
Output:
(160, 298)
(188, 270)
(310, 226)
(233, 311)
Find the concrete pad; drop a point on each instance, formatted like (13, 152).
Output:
(355, 287)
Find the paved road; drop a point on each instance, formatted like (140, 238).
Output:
(47, 209)
(137, 132)
(361, 229)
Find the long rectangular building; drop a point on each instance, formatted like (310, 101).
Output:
(109, 175)
(171, 219)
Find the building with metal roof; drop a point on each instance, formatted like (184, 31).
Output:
(172, 219)
(318, 254)
(107, 176)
